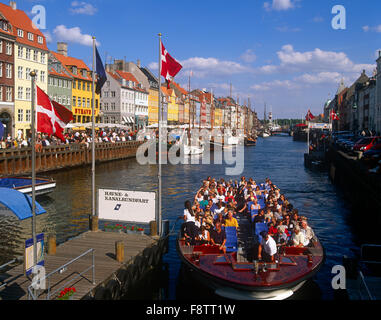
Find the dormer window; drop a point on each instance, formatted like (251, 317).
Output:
(30, 36)
(5, 26)
(75, 70)
(40, 40)
(84, 73)
(20, 33)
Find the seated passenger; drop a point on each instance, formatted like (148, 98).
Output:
(281, 237)
(267, 248)
(230, 221)
(297, 238)
(308, 233)
(260, 218)
(204, 236)
(220, 219)
(218, 237)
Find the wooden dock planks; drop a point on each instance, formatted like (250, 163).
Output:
(105, 263)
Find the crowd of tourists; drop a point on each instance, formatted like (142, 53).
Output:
(217, 205)
(70, 136)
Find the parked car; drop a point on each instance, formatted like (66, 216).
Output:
(366, 143)
(373, 155)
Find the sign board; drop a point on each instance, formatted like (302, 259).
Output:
(126, 206)
(321, 126)
(29, 253)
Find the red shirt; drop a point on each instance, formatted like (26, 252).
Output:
(273, 230)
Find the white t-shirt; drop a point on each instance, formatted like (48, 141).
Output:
(188, 216)
(269, 246)
(298, 239)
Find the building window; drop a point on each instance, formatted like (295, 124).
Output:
(20, 33)
(40, 39)
(74, 84)
(20, 52)
(1, 69)
(59, 100)
(1, 46)
(9, 94)
(42, 76)
(113, 106)
(84, 102)
(43, 58)
(20, 93)
(28, 52)
(88, 86)
(30, 36)
(20, 72)
(74, 101)
(20, 115)
(9, 49)
(60, 82)
(75, 70)
(27, 74)
(27, 94)
(88, 102)
(1, 93)
(28, 118)
(79, 101)
(35, 55)
(8, 68)
(113, 94)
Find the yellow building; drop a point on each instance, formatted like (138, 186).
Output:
(82, 90)
(173, 108)
(218, 117)
(30, 54)
(153, 106)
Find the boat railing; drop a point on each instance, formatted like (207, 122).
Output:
(49, 293)
(16, 260)
(363, 288)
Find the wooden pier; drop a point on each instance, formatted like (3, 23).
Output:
(19, 161)
(112, 278)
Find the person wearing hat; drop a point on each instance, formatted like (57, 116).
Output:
(267, 248)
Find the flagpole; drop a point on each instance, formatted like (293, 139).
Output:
(93, 139)
(33, 76)
(158, 213)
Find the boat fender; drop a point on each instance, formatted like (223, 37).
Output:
(132, 277)
(114, 288)
(122, 276)
(102, 294)
(141, 264)
(148, 253)
(156, 254)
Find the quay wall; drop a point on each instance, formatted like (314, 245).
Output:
(15, 162)
(361, 188)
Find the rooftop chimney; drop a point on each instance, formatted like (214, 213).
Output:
(62, 48)
(13, 5)
(138, 63)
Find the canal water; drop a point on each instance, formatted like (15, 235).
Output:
(278, 158)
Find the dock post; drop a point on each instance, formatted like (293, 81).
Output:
(94, 223)
(119, 251)
(52, 245)
(153, 228)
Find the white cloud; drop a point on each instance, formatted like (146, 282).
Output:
(279, 5)
(374, 29)
(80, 7)
(248, 56)
(318, 60)
(48, 36)
(288, 29)
(73, 35)
(203, 67)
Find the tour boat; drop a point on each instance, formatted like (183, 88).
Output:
(236, 276)
(250, 142)
(24, 185)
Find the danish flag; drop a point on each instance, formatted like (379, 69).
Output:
(309, 116)
(51, 116)
(170, 67)
(334, 115)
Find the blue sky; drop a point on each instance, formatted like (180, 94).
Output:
(284, 53)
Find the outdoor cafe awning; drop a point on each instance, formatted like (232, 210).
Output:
(18, 203)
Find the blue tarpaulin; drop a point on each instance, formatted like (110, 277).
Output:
(20, 204)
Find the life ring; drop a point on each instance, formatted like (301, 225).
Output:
(141, 264)
(102, 294)
(148, 253)
(114, 288)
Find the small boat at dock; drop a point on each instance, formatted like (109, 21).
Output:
(237, 271)
(24, 185)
